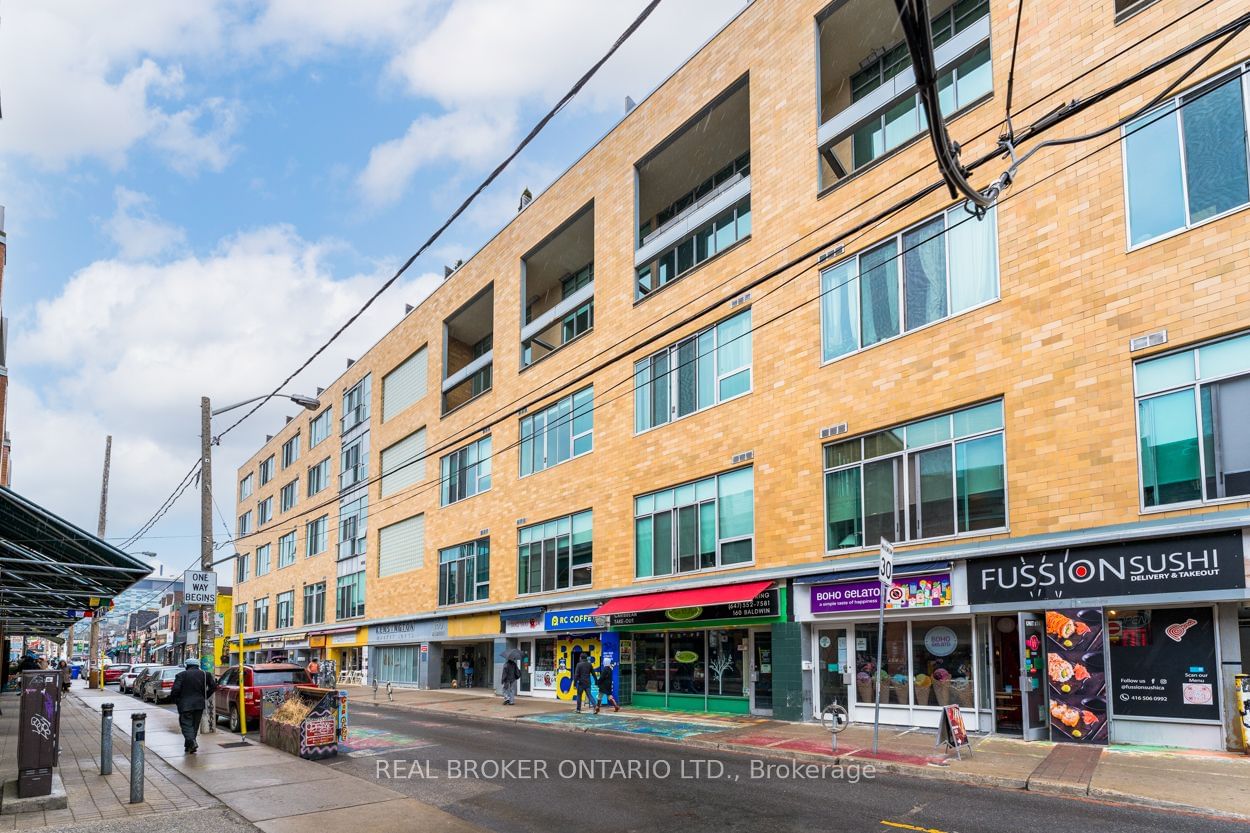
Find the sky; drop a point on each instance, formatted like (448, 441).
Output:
(198, 194)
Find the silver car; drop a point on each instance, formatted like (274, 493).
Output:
(126, 682)
(158, 684)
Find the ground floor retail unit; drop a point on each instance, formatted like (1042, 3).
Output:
(452, 652)
(1129, 642)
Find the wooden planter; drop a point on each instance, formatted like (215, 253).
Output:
(316, 737)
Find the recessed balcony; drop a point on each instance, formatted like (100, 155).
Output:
(468, 341)
(558, 285)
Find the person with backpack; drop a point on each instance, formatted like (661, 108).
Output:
(605, 686)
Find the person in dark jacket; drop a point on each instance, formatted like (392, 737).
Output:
(605, 686)
(582, 673)
(192, 688)
(511, 673)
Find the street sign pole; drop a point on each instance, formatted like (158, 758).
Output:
(885, 572)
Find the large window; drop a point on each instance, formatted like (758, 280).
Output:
(260, 614)
(356, 405)
(290, 493)
(245, 487)
(264, 511)
(318, 477)
(554, 555)
(354, 462)
(707, 368)
(710, 239)
(319, 427)
(464, 573)
(706, 663)
(1186, 161)
(240, 618)
(353, 517)
(286, 609)
(1193, 431)
(465, 472)
(286, 550)
(314, 603)
(290, 451)
(240, 568)
(266, 470)
(350, 601)
(933, 478)
(316, 535)
(927, 662)
(245, 522)
(696, 526)
(558, 433)
(262, 560)
(939, 268)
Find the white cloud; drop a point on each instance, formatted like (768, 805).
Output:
(137, 231)
(129, 348)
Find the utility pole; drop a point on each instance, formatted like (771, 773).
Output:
(94, 647)
(208, 619)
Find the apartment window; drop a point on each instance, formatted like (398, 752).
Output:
(555, 555)
(933, 478)
(354, 462)
(707, 241)
(696, 526)
(1186, 161)
(401, 546)
(290, 492)
(314, 603)
(245, 487)
(480, 381)
(240, 567)
(290, 451)
(262, 560)
(939, 268)
(245, 522)
(286, 609)
(581, 319)
(240, 618)
(1192, 427)
(318, 477)
(557, 283)
(319, 427)
(350, 602)
(353, 518)
(266, 470)
(698, 372)
(468, 341)
(286, 550)
(464, 572)
(316, 536)
(356, 405)
(264, 511)
(260, 614)
(404, 385)
(403, 464)
(558, 433)
(465, 472)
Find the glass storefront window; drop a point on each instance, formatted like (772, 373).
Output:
(942, 663)
(687, 670)
(724, 663)
(650, 663)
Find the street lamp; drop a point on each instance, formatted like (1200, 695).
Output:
(206, 518)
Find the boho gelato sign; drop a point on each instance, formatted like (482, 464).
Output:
(907, 592)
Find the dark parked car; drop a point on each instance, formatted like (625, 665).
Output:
(136, 686)
(262, 679)
(158, 685)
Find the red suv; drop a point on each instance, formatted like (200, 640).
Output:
(260, 680)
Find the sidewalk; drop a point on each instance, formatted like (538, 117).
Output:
(1208, 782)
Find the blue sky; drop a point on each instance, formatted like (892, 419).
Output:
(185, 182)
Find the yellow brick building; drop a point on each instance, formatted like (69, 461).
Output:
(704, 363)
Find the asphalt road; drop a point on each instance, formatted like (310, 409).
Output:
(516, 778)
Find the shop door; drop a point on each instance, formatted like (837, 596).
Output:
(1032, 685)
(762, 672)
(527, 671)
(835, 668)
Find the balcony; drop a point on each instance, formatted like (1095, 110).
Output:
(558, 284)
(868, 101)
(468, 350)
(694, 192)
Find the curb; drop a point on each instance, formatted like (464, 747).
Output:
(1119, 797)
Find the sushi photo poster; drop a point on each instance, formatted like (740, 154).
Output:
(1076, 674)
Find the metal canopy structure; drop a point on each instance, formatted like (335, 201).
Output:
(50, 568)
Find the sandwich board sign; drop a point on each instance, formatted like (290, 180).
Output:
(199, 587)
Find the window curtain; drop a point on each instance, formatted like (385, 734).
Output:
(878, 286)
(839, 289)
(973, 258)
(1169, 449)
(924, 274)
(1214, 124)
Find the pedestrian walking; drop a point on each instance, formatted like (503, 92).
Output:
(314, 671)
(511, 673)
(192, 688)
(605, 687)
(582, 673)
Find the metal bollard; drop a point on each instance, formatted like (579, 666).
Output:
(106, 739)
(138, 725)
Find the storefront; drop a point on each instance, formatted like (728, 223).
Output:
(1131, 642)
(552, 642)
(400, 652)
(469, 656)
(345, 648)
(928, 650)
(704, 649)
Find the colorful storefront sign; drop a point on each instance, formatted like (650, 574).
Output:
(908, 592)
(582, 619)
(766, 606)
(1075, 669)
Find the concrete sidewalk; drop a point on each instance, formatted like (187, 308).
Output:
(1207, 782)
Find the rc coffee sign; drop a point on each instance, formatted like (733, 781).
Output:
(1173, 565)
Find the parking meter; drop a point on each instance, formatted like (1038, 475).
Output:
(39, 727)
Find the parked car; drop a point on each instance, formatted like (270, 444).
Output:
(114, 672)
(158, 685)
(137, 685)
(126, 682)
(259, 680)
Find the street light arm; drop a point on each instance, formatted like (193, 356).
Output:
(309, 402)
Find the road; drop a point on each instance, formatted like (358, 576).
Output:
(510, 777)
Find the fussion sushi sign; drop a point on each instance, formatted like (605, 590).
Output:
(1179, 565)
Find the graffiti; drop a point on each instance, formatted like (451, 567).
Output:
(568, 652)
(41, 726)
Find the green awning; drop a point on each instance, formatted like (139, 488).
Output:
(50, 568)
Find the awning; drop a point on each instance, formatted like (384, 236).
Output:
(694, 597)
(914, 569)
(49, 569)
(519, 613)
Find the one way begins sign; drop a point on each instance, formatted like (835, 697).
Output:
(199, 587)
